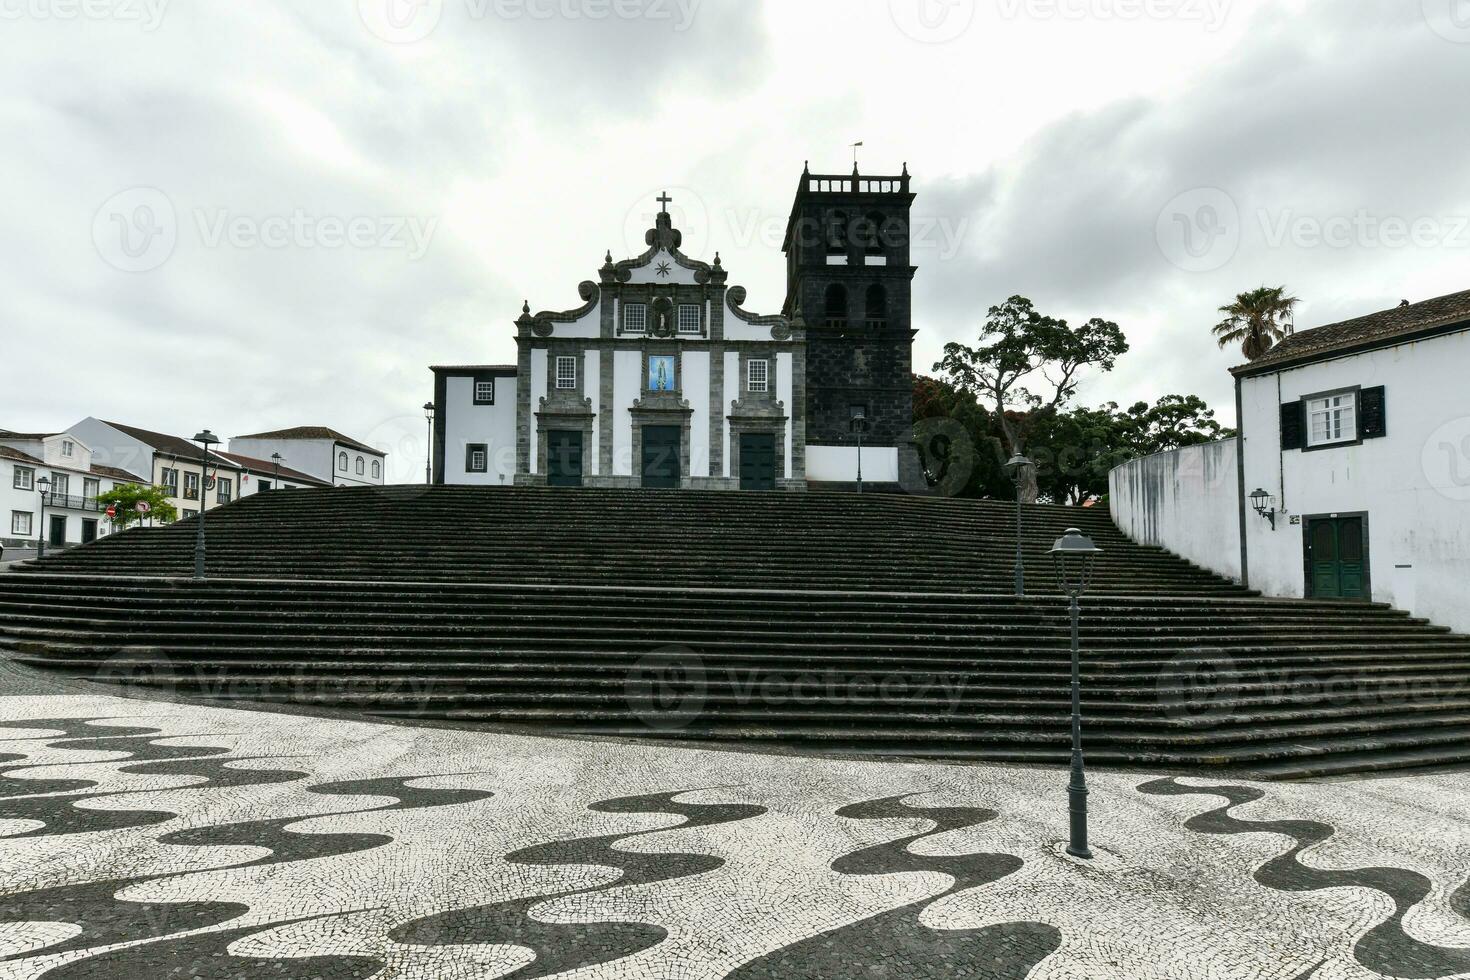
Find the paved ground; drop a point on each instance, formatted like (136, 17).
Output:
(152, 840)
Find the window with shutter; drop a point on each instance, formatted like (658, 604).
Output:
(1373, 419)
(1293, 425)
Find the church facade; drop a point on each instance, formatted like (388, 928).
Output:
(662, 378)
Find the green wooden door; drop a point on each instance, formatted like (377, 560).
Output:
(661, 445)
(564, 458)
(757, 461)
(1337, 558)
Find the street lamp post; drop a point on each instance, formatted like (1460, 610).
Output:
(205, 440)
(1074, 555)
(429, 453)
(276, 458)
(44, 485)
(1016, 466)
(859, 424)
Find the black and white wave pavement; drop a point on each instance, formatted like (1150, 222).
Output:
(146, 840)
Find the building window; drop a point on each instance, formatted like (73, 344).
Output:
(91, 488)
(170, 481)
(68, 448)
(566, 373)
(361, 466)
(60, 484)
(342, 462)
(476, 458)
(225, 490)
(377, 469)
(689, 319)
(484, 392)
(1332, 418)
(20, 523)
(757, 375)
(25, 478)
(191, 486)
(635, 317)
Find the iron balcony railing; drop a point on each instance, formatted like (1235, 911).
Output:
(73, 502)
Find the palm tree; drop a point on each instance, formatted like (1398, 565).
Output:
(1256, 320)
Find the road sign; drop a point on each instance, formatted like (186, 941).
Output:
(142, 507)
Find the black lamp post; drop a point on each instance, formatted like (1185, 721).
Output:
(276, 458)
(429, 453)
(205, 440)
(43, 485)
(1016, 466)
(859, 424)
(1074, 554)
(1264, 504)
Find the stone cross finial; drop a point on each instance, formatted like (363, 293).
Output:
(664, 200)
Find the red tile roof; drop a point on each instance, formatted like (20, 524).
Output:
(315, 432)
(266, 467)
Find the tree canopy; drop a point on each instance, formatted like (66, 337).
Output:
(126, 497)
(1256, 320)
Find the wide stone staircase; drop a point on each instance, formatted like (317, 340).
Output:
(860, 624)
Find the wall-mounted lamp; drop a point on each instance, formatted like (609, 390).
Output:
(1262, 502)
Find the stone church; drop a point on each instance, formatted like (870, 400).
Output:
(662, 378)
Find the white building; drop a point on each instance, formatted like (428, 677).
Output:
(1351, 475)
(257, 475)
(158, 459)
(319, 452)
(71, 512)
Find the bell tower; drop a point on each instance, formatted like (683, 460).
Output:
(848, 279)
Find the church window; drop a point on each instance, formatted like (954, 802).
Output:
(361, 466)
(689, 318)
(873, 233)
(566, 373)
(757, 375)
(635, 317)
(342, 462)
(476, 457)
(837, 233)
(834, 305)
(876, 302)
(377, 469)
(484, 392)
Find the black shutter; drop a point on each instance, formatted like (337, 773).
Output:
(1372, 418)
(1293, 425)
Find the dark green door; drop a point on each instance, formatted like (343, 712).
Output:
(661, 456)
(1337, 558)
(564, 458)
(757, 461)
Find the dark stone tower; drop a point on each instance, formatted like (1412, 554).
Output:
(848, 278)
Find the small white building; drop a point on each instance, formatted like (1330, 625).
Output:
(257, 475)
(1350, 478)
(319, 452)
(72, 514)
(475, 424)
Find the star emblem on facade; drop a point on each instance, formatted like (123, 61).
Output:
(663, 268)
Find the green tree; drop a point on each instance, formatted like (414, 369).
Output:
(1256, 320)
(1019, 346)
(125, 498)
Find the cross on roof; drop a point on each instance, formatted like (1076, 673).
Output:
(664, 199)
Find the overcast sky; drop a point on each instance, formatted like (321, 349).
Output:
(244, 216)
